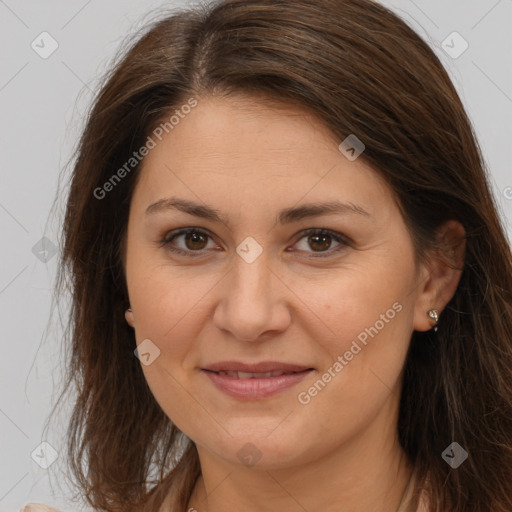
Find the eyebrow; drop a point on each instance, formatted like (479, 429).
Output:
(286, 216)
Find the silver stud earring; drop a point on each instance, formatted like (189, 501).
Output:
(126, 313)
(434, 313)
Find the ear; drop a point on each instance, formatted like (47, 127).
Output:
(440, 274)
(128, 314)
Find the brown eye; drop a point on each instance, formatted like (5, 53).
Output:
(195, 240)
(189, 242)
(320, 242)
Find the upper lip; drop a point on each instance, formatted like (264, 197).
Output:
(262, 367)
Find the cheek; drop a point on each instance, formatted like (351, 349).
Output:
(171, 309)
(361, 370)
(163, 294)
(353, 300)
(364, 332)
(169, 318)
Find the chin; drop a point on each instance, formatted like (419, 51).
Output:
(254, 448)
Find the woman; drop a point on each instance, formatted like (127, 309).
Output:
(291, 287)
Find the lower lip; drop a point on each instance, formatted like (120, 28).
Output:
(254, 389)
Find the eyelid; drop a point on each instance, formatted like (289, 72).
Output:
(171, 235)
(341, 239)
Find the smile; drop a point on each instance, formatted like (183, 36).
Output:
(254, 386)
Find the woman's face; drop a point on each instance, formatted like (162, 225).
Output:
(256, 287)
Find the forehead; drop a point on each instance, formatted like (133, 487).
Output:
(249, 147)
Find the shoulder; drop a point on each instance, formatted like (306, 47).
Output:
(37, 507)
(414, 499)
(423, 504)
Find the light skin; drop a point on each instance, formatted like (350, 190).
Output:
(249, 161)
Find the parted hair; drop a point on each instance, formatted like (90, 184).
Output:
(361, 70)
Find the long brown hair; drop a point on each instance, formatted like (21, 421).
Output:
(362, 70)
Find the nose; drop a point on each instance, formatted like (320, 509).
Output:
(253, 303)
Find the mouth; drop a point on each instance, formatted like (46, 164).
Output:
(252, 385)
(255, 375)
(263, 367)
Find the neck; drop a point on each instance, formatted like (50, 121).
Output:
(371, 472)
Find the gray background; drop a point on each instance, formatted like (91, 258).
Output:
(42, 102)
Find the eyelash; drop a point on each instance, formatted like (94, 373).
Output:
(169, 237)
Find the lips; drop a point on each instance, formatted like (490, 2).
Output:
(255, 385)
(247, 370)
(252, 375)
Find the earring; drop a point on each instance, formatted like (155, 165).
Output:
(127, 318)
(434, 313)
